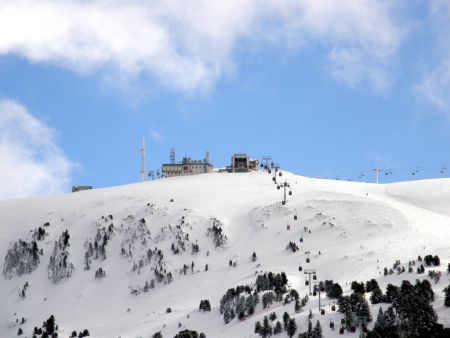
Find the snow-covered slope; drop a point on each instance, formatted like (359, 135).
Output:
(351, 231)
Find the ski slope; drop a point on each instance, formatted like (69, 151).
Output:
(351, 230)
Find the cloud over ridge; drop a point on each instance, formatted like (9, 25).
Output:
(189, 46)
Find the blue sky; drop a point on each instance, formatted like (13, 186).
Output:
(326, 89)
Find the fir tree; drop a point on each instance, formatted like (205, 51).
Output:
(291, 327)
(317, 332)
(286, 318)
(377, 295)
(363, 312)
(266, 330)
(278, 328)
(297, 306)
(447, 296)
(258, 327)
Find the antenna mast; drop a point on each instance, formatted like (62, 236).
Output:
(172, 156)
(142, 172)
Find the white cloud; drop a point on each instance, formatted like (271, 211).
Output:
(156, 135)
(435, 84)
(188, 46)
(31, 162)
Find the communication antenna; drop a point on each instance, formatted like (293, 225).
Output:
(142, 172)
(207, 157)
(172, 156)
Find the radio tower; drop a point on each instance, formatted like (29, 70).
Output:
(172, 156)
(142, 172)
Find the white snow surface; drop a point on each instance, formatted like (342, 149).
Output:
(359, 229)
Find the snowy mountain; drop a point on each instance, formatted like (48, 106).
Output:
(114, 260)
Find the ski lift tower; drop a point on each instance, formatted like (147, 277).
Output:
(310, 272)
(266, 159)
(284, 185)
(276, 167)
(377, 172)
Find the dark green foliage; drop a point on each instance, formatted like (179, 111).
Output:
(85, 333)
(49, 325)
(219, 238)
(372, 285)
(270, 281)
(447, 296)
(358, 287)
(291, 327)
(377, 295)
(430, 260)
(187, 334)
(233, 302)
(333, 290)
(19, 332)
(286, 318)
(363, 311)
(204, 305)
(317, 332)
(266, 329)
(292, 246)
(258, 327)
(297, 306)
(420, 269)
(392, 293)
(278, 328)
(272, 316)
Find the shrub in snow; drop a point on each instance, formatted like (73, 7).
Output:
(21, 258)
(188, 334)
(216, 232)
(204, 305)
(59, 267)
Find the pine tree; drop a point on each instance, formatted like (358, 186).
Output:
(317, 332)
(291, 327)
(278, 328)
(379, 323)
(363, 312)
(258, 327)
(286, 318)
(447, 296)
(348, 318)
(266, 329)
(377, 295)
(297, 306)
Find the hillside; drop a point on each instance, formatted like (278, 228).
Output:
(351, 231)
